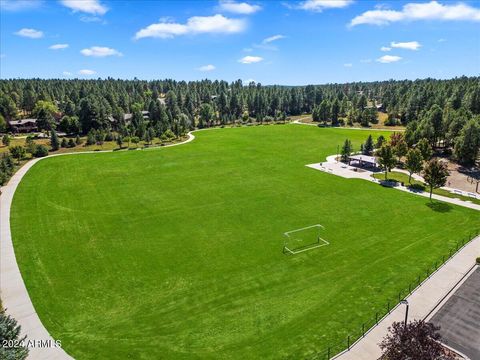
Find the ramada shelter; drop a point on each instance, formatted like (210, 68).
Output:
(362, 160)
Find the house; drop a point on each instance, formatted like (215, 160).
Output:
(23, 125)
(127, 118)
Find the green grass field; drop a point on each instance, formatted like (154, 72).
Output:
(176, 253)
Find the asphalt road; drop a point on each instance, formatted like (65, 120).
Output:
(459, 318)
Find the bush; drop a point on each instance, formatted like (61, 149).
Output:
(478, 260)
(40, 151)
(64, 143)
(109, 136)
(90, 138)
(71, 143)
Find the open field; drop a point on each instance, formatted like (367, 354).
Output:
(177, 253)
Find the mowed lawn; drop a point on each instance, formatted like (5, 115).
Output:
(176, 253)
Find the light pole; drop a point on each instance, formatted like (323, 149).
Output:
(338, 150)
(405, 302)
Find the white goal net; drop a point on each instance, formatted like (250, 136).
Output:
(304, 239)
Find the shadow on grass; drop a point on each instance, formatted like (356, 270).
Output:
(439, 206)
(417, 188)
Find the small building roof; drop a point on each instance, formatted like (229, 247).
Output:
(364, 158)
(22, 121)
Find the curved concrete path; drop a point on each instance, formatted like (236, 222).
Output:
(13, 292)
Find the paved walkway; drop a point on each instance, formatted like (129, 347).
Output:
(13, 292)
(333, 167)
(422, 301)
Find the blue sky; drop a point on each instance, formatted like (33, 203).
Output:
(272, 42)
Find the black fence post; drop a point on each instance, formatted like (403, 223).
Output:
(376, 318)
(363, 330)
(328, 354)
(348, 342)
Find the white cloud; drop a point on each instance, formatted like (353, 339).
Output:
(432, 10)
(66, 73)
(320, 5)
(385, 48)
(238, 8)
(208, 67)
(100, 51)
(386, 59)
(91, 19)
(248, 81)
(366, 61)
(19, 5)
(58, 46)
(195, 25)
(87, 72)
(410, 45)
(441, 40)
(348, 65)
(30, 33)
(88, 6)
(273, 38)
(250, 59)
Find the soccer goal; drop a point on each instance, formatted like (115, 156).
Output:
(304, 239)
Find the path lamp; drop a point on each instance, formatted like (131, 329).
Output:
(338, 151)
(405, 302)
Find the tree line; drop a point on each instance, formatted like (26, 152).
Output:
(445, 112)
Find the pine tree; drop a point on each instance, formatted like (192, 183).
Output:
(368, 146)
(54, 141)
(346, 150)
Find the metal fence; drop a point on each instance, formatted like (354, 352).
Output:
(335, 350)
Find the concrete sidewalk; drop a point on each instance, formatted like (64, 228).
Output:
(422, 301)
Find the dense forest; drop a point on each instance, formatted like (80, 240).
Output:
(446, 112)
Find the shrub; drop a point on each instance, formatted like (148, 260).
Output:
(90, 138)
(64, 143)
(109, 136)
(71, 143)
(40, 151)
(478, 260)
